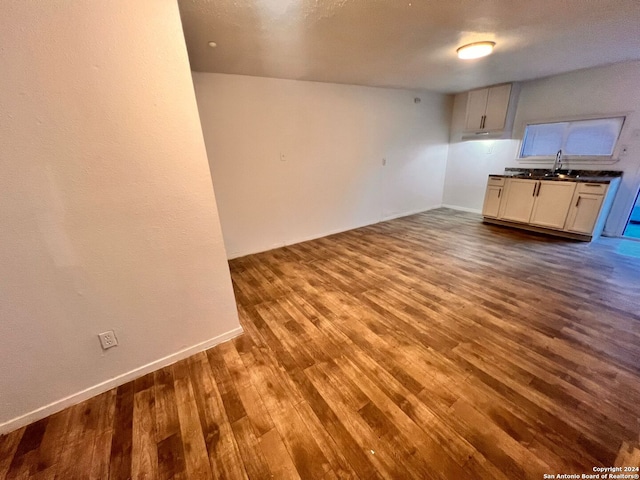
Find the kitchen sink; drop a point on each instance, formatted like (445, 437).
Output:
(548, 175)
(560, 175)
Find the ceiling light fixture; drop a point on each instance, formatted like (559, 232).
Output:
(213, 44)
(475, 50)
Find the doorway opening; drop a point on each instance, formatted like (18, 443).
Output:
(632, 229)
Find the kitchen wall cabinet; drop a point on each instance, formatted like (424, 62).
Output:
(552, 203)
(476, 109)
(519, 197)
(487, 109)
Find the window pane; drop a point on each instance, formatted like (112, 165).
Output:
(580, 138)
(543, 139)
(593, 137)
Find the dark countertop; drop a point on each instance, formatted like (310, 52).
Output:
(600, 176)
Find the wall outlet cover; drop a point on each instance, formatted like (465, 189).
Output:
(108, 339)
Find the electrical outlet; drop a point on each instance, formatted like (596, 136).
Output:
(108, 339)
(283, 158)
(384, 162)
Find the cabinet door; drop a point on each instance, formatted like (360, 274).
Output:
(518, 200)
(553, 200)
(476, 107)
(492, 201)
(497, 105)
(584, 213)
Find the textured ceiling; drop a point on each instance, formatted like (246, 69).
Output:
(408, 44)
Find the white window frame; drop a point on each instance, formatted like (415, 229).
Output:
(575, 159)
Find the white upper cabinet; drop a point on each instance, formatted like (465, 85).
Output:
(488, 109)
(476, 109)
(497, 105)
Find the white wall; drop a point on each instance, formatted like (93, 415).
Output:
(606, 90)
(333, 138)
(108, 213)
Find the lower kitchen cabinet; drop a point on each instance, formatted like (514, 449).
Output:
(519, 197)
(583, 214)
(539, 202)
(552, 203)
(575, 209)
(493, 197)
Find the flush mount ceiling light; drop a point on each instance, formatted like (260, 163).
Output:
(212, 44)
(475, 50)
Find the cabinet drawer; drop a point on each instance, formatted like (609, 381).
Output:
(496, 181)
(595, 188)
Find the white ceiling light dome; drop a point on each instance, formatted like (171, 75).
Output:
(475, 50)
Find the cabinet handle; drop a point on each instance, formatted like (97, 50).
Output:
(539, 187)
(484, 119)
(481, 120)
(499, 192)
(536, 189)
(591, 184)
(578, 202)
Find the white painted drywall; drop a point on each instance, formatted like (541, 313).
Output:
(108, 214)
(603, 91)
(333, 139)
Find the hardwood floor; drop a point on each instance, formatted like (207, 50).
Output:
(431, 346)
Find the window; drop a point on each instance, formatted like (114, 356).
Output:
(580, 138)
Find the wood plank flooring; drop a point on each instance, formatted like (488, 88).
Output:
(428, 347)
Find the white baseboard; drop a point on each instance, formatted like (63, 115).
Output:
(393, 216)
(232, 255)
(463, 209)
(83, 395)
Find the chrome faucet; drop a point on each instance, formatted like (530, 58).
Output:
(557, 165)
